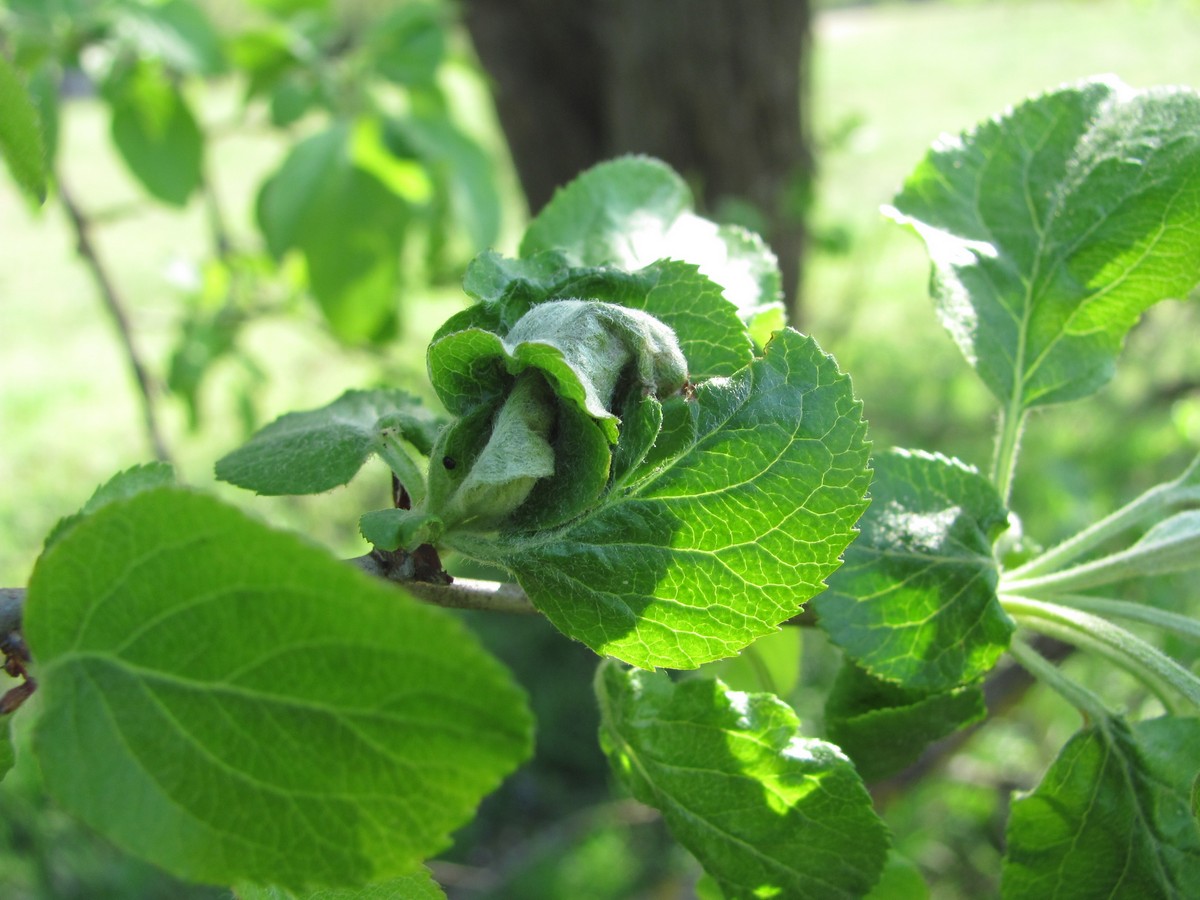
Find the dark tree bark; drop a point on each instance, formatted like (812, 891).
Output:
(716, 88)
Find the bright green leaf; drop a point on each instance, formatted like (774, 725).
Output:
(155, 132)
(770, 665)
(884, 728)
(633, 211)
(1111, 818)
(1055, 226)
(915, 602)
(176, 32)
(716, 546)
(767, 812)
(121, 486)
(393, 529)
(417, 886)
(258, 710)
(21, 134)
(314, 451)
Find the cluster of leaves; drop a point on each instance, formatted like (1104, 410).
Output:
(669, 477)
(379, 171)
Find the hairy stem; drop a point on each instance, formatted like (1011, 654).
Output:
(115, 307)
(1148, 664)
(1046, 672)
(1008, 442)
(1183, 626)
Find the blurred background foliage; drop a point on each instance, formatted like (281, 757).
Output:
(331, 167)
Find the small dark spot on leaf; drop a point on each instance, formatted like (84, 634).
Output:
(448, 462)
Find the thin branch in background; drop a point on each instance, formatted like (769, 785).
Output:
(115, 307)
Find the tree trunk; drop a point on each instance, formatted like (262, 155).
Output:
(716, 88)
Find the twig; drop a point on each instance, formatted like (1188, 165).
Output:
(115, 307)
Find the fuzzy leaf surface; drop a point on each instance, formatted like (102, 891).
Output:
(320, 449)
(884, 728)
(916, 602)
(704, 551)
(712, 337)
(1113, 817)
(1053, 228)
(261, 712)
(765, 811)
(633, 211)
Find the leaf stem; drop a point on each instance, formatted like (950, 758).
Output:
(394, 453)
(1148, 664)
(1183, 626)
(1149, 505)
(1089, 704)
(115, 307)
(1008, 443)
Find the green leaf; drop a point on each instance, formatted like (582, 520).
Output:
(348, 225)
(901, 880)
(710, 334)
(176, 32)
(1054, 227)
(407, 45)
(633, 211)
(7, 757)
(884, 728)
(393, 529)
(1111, 818)
(258, 710)
(155, 132)
(121, 486)
(460, 165)
(583, 348)
(697, 557)
(417, 886)
(21, 134)
(766, 811)
(320, 449)
(771, 664)
(915, 602)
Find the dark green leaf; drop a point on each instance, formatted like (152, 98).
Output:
(767, 812)
(348, 225)
(258, 710)
(314, 451)
(634, 211)
(915, 602)
(718, 545)
(884, 728)
(418, 886)
(121, 486)
(1112, 817)
(21, 134)
(176, 32)
(155, 132)
(1054, 227)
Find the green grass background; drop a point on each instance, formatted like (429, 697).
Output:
(888, 79)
